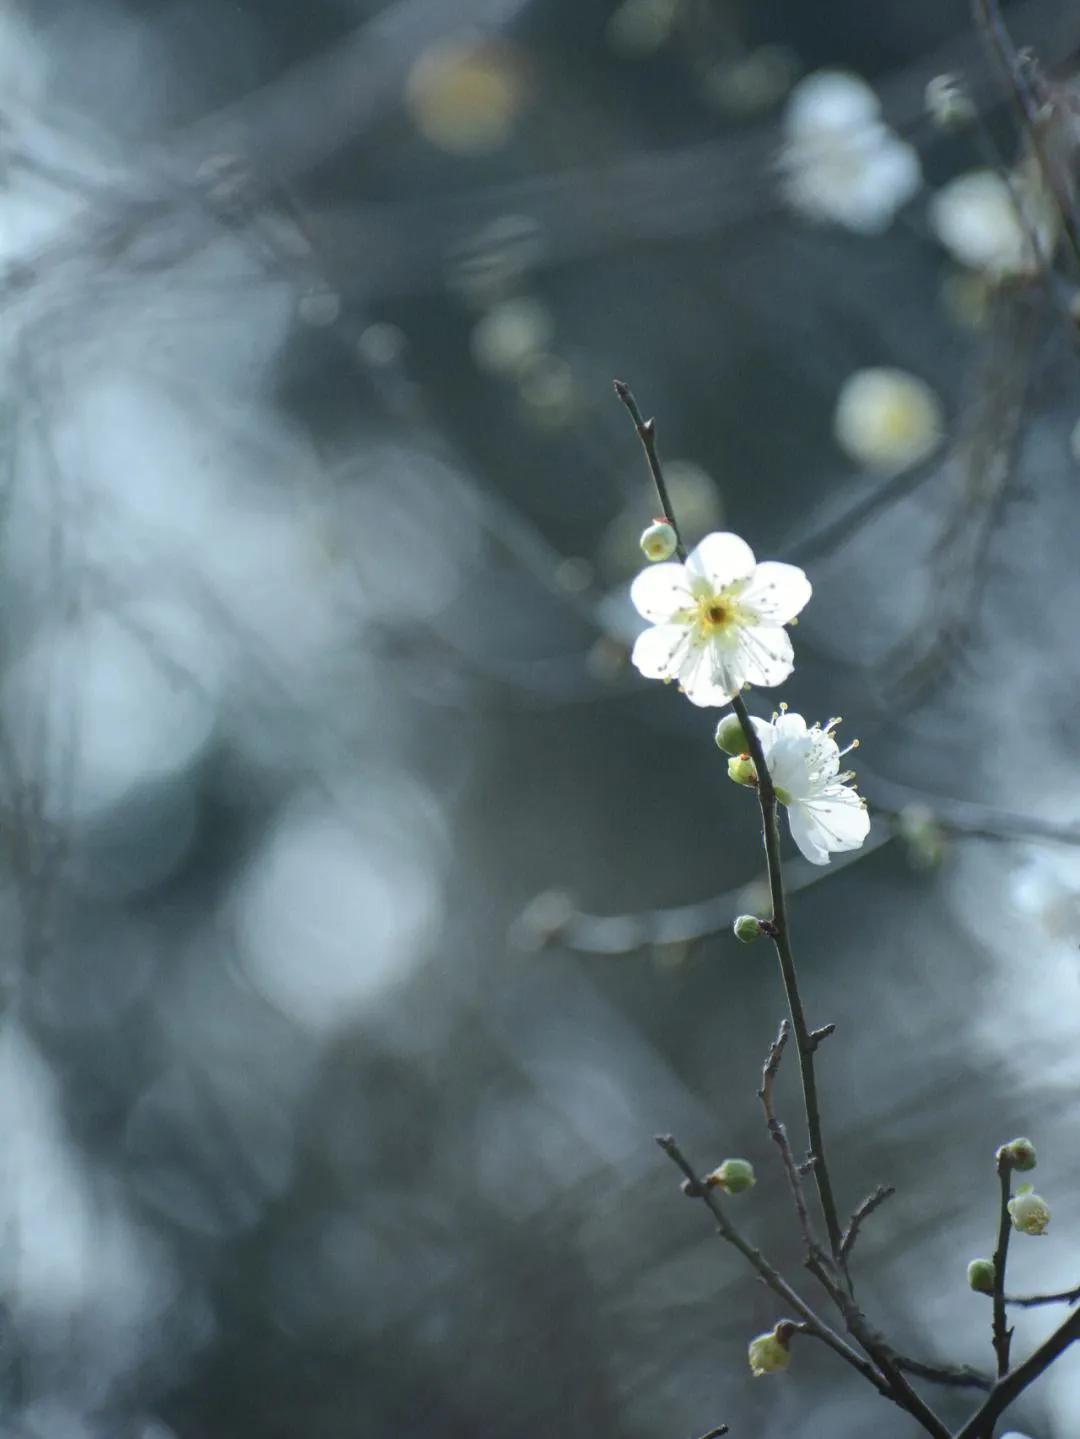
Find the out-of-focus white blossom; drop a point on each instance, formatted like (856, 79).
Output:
(887, 419)
(987, 224)
(717, 622)
(841, 162)
(825, 812)
(509, 336)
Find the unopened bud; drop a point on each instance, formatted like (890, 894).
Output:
(730, 735)
(948, 104)
(1018, 1153)
(740, 768)
(1029, 1212)
(981, 1275)
(747, 928)
(659, 541)
(770, 1353)
(734, 1176)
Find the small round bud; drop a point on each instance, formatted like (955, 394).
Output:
(980, 1275)
(770, 1353)
(1019, 1153)
(948, 104)
(659, 541)
(740, 768)
(730, 735)
(1029, 1212)
(734, 1176)
(747, 928)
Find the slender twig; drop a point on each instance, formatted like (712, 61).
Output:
(647, 435)
(865, 1209)
(779, 1133)
(956, 1376)
(776, 1282)
(716, 1433)
(1013, 1384)
(1002, 1332)
(1032, 1301)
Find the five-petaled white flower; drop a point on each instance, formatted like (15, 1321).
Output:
(718, 620)
(841, 161)
(825, 812)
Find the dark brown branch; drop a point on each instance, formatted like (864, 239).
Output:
(1002, 1332)
(716, 1433)
(865, 1209)
(1007, 1389)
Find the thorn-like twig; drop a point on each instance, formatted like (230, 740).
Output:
(779, 1133)
(865, 1209)
(1032, 1301)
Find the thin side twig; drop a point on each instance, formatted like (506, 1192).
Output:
(865, 1209)
(779, 1133)
(1032, 1301)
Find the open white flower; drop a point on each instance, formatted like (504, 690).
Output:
(841, 162)
(825, 812)
(718, 620)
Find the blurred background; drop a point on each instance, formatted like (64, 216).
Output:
(364, 913)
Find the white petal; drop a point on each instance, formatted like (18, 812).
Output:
(765, 655)
(710, 674)
(660, 651)
(804, 833)
(777, 592)
(660, 592)
(835, 820)
(721, 559)
(767, 736)
(790, 726)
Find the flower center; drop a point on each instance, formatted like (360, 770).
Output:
(715, 613)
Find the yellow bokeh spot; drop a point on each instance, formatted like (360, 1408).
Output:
(464, 96)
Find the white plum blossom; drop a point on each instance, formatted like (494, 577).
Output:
(989, 225)
(1029, 1212)
(841, 162)
(887, 419)
(717, 621)
(825, 812)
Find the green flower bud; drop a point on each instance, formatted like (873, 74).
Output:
(747, 928)
(740, 768)
(981, 1275)
(1020, 1153)
(733, 1176)
(659, 541)
(1029, 1212)
(770, 1353)
(730, 735)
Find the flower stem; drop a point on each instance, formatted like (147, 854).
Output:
(806, 1043)
(1002, 1332)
